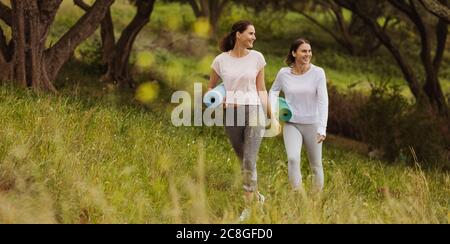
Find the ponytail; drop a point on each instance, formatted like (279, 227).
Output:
(290, 59)
(227, 43)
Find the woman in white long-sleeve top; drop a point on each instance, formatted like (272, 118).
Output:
(305, 89)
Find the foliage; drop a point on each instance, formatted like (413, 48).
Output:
(90, 53)
(388, 122)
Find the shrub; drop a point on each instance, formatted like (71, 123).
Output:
(427, 135)
(401, 131)
(90, 53)
(388, 122)
(380, 117)
(343, 109)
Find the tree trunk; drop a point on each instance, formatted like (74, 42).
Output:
(432, 87)
(56, 56)
(106, 31)
(118, 64)
(5, 14)
(5, 65)
(346, 40)
(25, 60)
(18, 35)
(195, 8)
(209, 9)
(216, 11)
(213, 21)
(34, 56)
(116, 56)
(408, 73)
(385, 39)
(30, 26)
(107, 34)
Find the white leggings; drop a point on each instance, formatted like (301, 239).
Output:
(294, 136)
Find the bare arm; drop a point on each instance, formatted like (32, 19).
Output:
(262, 92)
(213, 79)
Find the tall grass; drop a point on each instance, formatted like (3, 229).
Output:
(71, 160)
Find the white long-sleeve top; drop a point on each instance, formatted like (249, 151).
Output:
(305, 94)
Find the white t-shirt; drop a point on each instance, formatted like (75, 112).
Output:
(239, 76)
(305, 94)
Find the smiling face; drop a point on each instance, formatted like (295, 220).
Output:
(246, 38)
(303, 54)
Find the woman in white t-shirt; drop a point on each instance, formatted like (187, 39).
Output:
(242, 72)
(305, 88)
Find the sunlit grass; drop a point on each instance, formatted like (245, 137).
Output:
(63, 160)
(70, 160)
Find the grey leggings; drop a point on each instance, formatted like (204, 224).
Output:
(294, 136)
(245, 135)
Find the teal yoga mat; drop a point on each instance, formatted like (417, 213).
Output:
(285, 112)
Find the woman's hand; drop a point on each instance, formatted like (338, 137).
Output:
(275, 124)
(274, 129)
(320, 138)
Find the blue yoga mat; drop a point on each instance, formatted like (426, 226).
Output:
(285, 112)
(215, 97)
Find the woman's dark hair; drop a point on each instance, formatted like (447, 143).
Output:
(295, 45)
(228, 42)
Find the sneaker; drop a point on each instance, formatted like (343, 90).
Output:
(244, 215)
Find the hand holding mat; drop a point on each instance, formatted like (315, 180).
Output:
(215, 97)
(285, 112)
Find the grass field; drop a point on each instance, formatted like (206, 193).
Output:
(70, 159)
(92, 154)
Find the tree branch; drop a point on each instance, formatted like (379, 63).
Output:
(119, 60)
(413, 14)
(5, 14)
(384, 28)
(82, 4)
(205, 7)
(403, 6)
(57, 55)
(195, 8)
(388, 43)
(3, 46)
(323, 27)
(47, 14)
(441, 34)
(106, 31)
(5, 60)
(341, 22)
(437, 8)
(222, 5)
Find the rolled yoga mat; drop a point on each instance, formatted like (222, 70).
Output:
(285, 112)
(216, 94)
